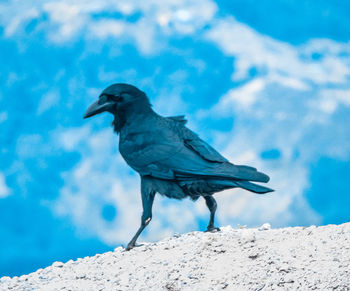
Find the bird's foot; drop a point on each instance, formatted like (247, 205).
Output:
(212, 229)
(132, 245)
(129, 247)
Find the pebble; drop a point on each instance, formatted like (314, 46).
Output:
(57, 264)
(265, 226)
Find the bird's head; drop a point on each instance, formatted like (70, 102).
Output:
(117, 99)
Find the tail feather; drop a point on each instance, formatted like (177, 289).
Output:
(210, 186)
(253, 187)
(250, 173)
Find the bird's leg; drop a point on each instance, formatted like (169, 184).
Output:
(147, 195)
(211, 203)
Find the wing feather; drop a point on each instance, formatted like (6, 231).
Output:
(177, 153)
(204, 150)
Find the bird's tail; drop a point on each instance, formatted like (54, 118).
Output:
(258, 189)
(216, 185)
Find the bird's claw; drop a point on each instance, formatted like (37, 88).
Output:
(213, 229)
(131, 246)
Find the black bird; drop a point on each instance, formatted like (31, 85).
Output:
(170, 158)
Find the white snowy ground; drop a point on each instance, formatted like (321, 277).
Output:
(298, 258)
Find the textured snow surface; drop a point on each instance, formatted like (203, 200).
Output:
(298, 258)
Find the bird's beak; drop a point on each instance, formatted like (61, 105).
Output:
(98, 107)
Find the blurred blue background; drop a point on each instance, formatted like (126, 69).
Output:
(265, 82)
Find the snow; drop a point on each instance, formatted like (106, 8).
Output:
(294, 258)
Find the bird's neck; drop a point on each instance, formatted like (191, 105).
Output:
(131, 115)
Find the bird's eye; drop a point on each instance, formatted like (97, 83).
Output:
(114, 98)
(103, 99)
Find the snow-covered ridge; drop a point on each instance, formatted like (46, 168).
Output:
(234, 259)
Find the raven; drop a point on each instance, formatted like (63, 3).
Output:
(171, 159)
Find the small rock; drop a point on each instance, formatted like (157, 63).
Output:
(57, 264)
(265, 226)
(283, 268)
(253, 256)
(224, 285)
(248, 236)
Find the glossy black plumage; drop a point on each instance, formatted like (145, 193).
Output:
(170, 158)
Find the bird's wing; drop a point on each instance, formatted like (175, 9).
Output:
(180, 154)
(192, 141)
(183, 163)
(178, 118)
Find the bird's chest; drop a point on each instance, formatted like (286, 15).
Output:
(136, 141)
